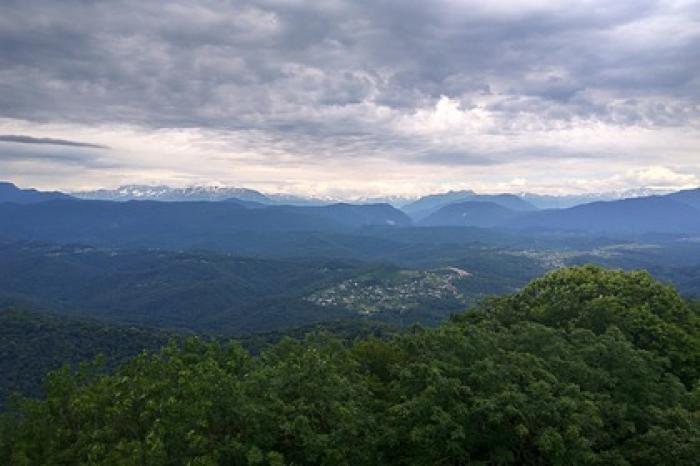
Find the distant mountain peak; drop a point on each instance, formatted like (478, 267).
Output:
(425, 206)
(9, 192)
(470, 213)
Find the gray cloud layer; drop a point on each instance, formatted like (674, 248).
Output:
(347, 79)
(54, 142)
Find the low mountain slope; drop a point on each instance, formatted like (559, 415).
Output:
(354, 215)
(246, 203)
(472, 213)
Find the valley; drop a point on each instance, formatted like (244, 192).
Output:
(103, 280)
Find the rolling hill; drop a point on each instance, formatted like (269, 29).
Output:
(187, 291)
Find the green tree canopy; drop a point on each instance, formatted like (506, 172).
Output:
(650, 314)
(563, 372)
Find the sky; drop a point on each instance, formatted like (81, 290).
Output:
(351, 98)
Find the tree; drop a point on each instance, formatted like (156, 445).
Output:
(560, 373)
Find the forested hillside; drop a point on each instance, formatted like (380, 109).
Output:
(196, 291)
(32, 343)
(582, 366)
(226, 294)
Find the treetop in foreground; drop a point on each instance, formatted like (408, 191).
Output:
(583, 366)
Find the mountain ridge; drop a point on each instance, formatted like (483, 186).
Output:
(9, 192)
(181, 224)
(654, 214)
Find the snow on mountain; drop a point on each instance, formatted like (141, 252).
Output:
(167, 193)
(218, 193)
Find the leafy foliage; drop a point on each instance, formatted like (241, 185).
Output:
(651, 315)
(560, 373)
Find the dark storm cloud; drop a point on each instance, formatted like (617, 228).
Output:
(339, 75)
(54, 142)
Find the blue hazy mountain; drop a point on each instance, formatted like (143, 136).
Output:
(564, 201)
(427, 205)
(674, 213)
(353, 214)
(654, 214)
(470, 213)
(690, 197)
(53, 216)
(246, 203)
(179, 224)
(11, 193)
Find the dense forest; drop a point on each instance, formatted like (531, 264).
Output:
(34, 343)
(583, 366)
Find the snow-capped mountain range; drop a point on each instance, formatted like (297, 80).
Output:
(218, 193)
(167, 193)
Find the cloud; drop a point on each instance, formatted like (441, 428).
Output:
(662, 177)
(48, 156)
(55, 142)
(52, 158)
(453, 91)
